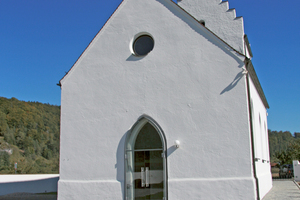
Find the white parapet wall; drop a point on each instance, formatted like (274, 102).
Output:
(296, 166)
(41, 183)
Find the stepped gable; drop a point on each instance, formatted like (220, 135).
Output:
(218, 18)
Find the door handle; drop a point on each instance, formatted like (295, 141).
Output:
(142, 177)
(147, 176)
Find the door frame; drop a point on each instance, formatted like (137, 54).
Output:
(129, 155)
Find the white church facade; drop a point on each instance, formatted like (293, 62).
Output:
(164, 103)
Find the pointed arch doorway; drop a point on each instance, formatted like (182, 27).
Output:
(145, 161)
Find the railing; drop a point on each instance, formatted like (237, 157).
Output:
(285, 173)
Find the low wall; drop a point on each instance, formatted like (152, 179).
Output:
(28, 183)
(296, 166)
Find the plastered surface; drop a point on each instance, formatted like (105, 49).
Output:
(219, 18)
(261, 150)
(191, 84)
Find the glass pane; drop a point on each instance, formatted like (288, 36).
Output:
(156, 188)
(148, 138)
(143, 45)
(139, 176)
(148, 175)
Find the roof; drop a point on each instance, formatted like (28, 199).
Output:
(248, 62)
(59, 83)
(248, 45)
(180, 8)
(199, 22)
(273, 164)
(252, 73)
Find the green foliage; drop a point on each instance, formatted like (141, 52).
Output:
(4, 160)
(284, 157)
(284, 147)
(297, 135)
(31, 130)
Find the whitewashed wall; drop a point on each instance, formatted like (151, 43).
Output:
(261, 146)
(296, 167)
(219, 18)
(191, 84)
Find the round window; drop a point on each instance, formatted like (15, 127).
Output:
(143, 45)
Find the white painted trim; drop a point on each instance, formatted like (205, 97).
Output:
(31, 177)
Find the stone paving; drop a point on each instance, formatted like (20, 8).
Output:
(283, 190)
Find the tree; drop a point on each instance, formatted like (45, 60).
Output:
(9, 136)
(284, 157)
(297, 135)
(294, 150)
(4, 160)
(292, 153)
(32, 130)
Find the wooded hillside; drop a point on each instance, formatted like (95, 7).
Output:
(284, 147)
(29, 135)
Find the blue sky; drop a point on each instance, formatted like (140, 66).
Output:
(41, 40)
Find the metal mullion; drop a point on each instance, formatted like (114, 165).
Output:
(147, 150)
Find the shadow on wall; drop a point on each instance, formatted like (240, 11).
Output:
(29, 186)
(217, 42)
(120, 162)
(213, 40)
(237, 78)
(134, 58)
(170, 150)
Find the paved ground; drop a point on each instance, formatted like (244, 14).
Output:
(28, 196)
(283, 190)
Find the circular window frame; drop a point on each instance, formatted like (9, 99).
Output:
(135, 39)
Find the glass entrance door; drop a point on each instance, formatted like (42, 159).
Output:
(145, 162)
(148, 170)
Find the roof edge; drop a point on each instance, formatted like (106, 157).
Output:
(59, 83)
(248, 45)
(209, 29)
(216, 36)
(253, 75)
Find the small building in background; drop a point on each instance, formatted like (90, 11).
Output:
(296, 169)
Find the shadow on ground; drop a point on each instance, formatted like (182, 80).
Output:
(28, 196)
